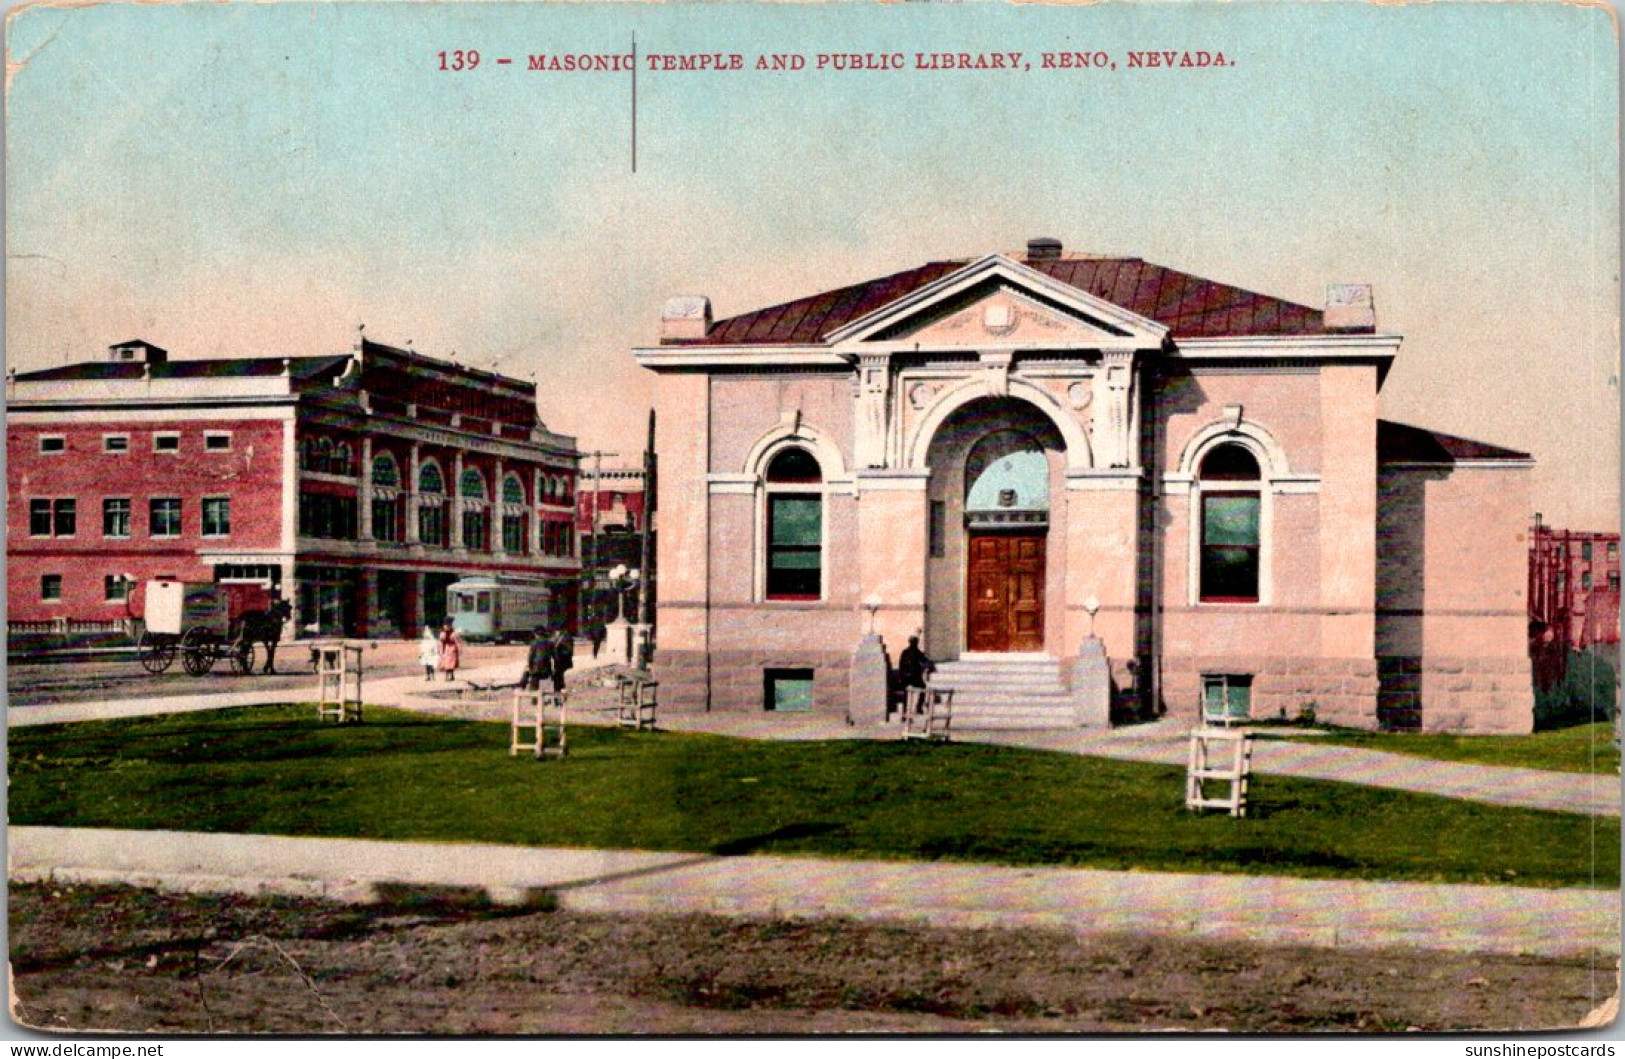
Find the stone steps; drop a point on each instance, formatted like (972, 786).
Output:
(1007, 692)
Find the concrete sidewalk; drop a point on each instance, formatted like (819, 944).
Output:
(1262, 909)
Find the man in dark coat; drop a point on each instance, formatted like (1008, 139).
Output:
(913, 666)
(539, 661)
(563, 657)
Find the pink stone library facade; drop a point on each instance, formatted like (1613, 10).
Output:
(1016, 456)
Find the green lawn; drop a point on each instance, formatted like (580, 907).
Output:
(1583, 748)
(404, 776)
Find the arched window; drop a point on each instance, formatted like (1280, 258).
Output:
(385, 472)
(429, 479)
(794, 530)
(1007, 471)
(1231, 502)
(472, 485)
(515, 524)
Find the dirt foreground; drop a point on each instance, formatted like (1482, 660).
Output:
(131, 960)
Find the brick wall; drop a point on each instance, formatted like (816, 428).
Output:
(249, 473)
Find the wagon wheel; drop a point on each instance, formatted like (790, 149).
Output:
(242, 657)
(156, 651)
(199, 648)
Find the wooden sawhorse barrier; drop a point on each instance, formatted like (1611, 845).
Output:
(637, 703)
(1219, 756)
(537, 715)
(927, 713)
(338, 680)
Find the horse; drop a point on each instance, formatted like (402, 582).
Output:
(265, 627)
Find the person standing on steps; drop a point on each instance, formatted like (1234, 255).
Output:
(913, 666)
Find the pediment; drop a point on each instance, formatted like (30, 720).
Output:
(998, 303)
(1004, 316)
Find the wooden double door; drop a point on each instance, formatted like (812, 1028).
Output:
(1005, 592)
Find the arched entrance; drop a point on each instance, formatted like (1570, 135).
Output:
(1006, 528)
(993, 581)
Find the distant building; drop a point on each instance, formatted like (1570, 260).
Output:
(613, 500)
(1573, 593)
(358, 486)
(1071, 474)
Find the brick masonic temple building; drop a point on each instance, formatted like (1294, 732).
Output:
(358, 486)
(1095, 488)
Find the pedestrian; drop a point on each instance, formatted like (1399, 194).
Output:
(429, 652)
(451, 650)
(538, 661)
(596, 633)
(913, 666)
(563, 657)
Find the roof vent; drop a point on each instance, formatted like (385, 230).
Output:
(1043, 249)
(685, 318)
(1349, 307)
(137, 351)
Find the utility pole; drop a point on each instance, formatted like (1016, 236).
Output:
(646, 611)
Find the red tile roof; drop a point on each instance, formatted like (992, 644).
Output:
(1189, 306)
(1399, 443)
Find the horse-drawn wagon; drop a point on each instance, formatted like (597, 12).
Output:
(204, 623)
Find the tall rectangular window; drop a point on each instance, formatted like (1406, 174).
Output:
(164, 516)
(386, 523)
(115, 589)
(65, 518)
(50, 588)
(432, 524)
(1230, 536)
(52, 518)
(513, 534)
(474, 530)
(326, 516)
(116, 517)
(795, 539)
(216, 516)
(1585, 551)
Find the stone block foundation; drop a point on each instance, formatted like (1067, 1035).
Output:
(1342, 691)
(693, 681)
(1439, 693)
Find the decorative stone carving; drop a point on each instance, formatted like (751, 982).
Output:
(1114, 392)
(996, 373)
(873, 391)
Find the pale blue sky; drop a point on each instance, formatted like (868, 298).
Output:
(257, 179)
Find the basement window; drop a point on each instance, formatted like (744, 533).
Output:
(1227, 698)
(788, 690)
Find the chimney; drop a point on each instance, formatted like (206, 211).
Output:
(685, 318)
(1349, 308)
(137, 351)
(1043, 249)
